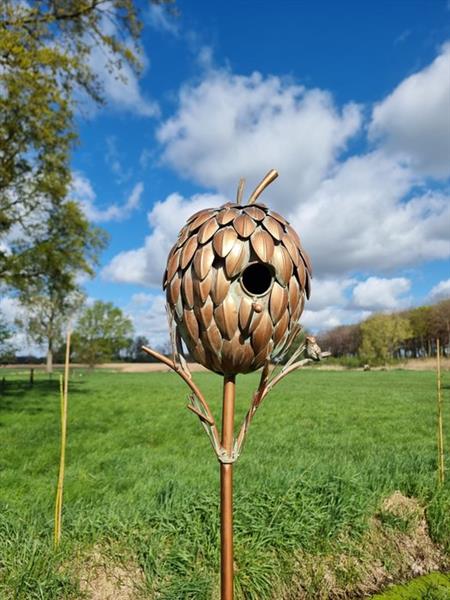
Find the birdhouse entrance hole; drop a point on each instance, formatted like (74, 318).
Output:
(257, 279)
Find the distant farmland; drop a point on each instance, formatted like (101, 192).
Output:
(335, 493)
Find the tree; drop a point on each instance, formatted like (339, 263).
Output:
(102, 332)
(382, 335)
(47, 275)
(6, 347)
(46, 49)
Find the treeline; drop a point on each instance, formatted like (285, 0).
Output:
(383, 337)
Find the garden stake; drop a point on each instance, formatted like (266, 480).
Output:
(64, 389)
(440, 432)
(236, 282)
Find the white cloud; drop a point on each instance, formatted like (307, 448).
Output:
(359, 220)
(440, 291)
(114, 162)
(158, 17)
(148, 313)
(84, 193)
(414, 120)
(377, 293)
(146, 265)
(231, 126)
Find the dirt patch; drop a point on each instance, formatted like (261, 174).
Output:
(103, 579)
(396, 548)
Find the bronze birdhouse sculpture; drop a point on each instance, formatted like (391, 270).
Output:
(236, 282)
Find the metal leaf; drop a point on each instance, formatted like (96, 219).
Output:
(203, 216)
(188, 251)
(278, 302)
(187, 288)
(226, 317)
(307, 261)
(262, 244)
(164, 280)
(183, 236)
(212, 338)
(204, 313)
(199, 213)
(172, 264)
(262, 333)
(299, 309)
(247, 357)
(282, 263)
(294, 235)
(226, 215)
(237, 258)
(202, 287)
(262, 355)
(294, 295)
(301, 274)
(245, 314)
(273, 227)
(207, 230)
(244, 225)
(203, 260)
(224, 241)
(291, 248)
(278, 217)
(220, 286)
(281, 328)
(199, 353)
(191, 324)
(255, 213)
(173, 290)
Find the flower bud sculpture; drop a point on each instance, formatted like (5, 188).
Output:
(236, 282)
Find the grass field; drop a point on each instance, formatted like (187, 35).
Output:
(141, 490)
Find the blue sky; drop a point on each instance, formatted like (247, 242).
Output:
(349, 101)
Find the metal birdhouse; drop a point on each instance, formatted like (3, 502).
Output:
(236, 282)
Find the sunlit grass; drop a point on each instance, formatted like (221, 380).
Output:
(141, 479)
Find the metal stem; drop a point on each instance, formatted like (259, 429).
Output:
(226, 492)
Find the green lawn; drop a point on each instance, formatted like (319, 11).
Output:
(142, 482)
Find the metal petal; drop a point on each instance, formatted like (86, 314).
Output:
(199, 353)
(294, 295)
(247, 357)
(199, 213)
(282, 263)
(278, 302)
(220, 286)
(262, 333)
(164, 280)
(231, 356)
(173, 290)
(188, 251)
(172, 264)
(278, 217)
(202, 287)
(262, 355)
(281, 328)
(301, 274)
(224, 241)
(295, 315)
(226, 317)
(291, 248)
(262, 244)
(191, 324)
(187, 288)
(273, 227)
(203, 260)
(254, 212)
(237, 258)
(245, 314)
(244, 225)
(182, 236)
(212, 338)
(203, 216)
(204, 313)
(226, 215)
(294, 235)
(207, 230)
(307, 261)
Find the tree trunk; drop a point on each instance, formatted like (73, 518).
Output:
(49, 366)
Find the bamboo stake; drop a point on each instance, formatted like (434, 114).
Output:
(64, 389)
(226, 492)
(440, 432)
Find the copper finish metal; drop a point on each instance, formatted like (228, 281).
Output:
(233, 328)
(226, 492)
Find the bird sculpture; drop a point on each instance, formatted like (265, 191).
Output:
(236, 282)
